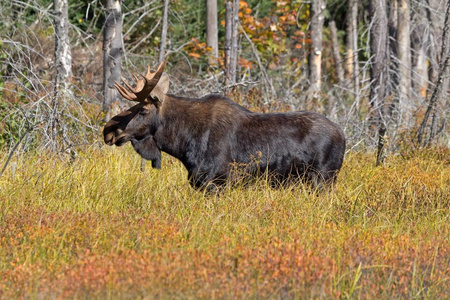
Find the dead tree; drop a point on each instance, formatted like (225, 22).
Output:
(336, 54)
(351, 54)
(317, 9)
(112, 56)
(63, 62)
(63, 56)
(404, 60)
(212, 28)
(378, 71)
(165, 21)
(419, 41)
(231, 41)
(428, 127)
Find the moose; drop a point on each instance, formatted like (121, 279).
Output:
(212, 134)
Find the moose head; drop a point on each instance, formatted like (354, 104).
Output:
(133, 124)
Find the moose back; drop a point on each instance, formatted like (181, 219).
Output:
(212, 134)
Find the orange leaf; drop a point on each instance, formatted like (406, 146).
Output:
(194, 55)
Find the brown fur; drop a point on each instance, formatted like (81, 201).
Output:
(210, 134)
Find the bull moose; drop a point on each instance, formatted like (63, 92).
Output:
(211, 134)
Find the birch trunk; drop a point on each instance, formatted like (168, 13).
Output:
(234, 42)
(404, 60)
(112, 56)
(63, 56)
(63, 65)
(231, 41)
(315, 55)
(165, 21)
(419, 58)
(336, 54)
(378, 70)
(212, 28)
(351, 42)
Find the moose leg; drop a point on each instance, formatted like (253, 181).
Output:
(199, 179)
(206, 179)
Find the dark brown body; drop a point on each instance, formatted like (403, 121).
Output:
(212, 134)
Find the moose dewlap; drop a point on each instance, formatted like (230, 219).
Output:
(210, 135)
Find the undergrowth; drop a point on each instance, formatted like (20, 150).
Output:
(98, 227)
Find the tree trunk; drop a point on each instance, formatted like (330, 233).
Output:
(378, 70)
(63, 64)
(404, 60)
(162, 45)
(234, 42)
(351, 42)
(212, 28)
(392, 85)
(63, 56)
(354, 9)
(434, 41)
(336, 54)
(420, 67)
(112, 56)
(227, 48)
(231, 41)
(444, 67)
(419, 59)
(315, 55)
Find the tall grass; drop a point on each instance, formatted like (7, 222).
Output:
(98, 227)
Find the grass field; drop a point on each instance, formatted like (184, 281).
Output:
(97, 227)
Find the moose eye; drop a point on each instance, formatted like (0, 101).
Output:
(143, 111)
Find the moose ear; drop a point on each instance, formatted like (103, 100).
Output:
(161, 88)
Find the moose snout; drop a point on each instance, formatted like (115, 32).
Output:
(109, 139)
(112, 135)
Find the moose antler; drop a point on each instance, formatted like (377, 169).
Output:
(143, 87)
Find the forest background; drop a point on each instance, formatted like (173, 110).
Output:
(76, 211)
(281, 63)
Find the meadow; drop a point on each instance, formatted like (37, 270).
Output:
(97, 227)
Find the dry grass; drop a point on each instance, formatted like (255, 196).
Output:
(97, 227)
